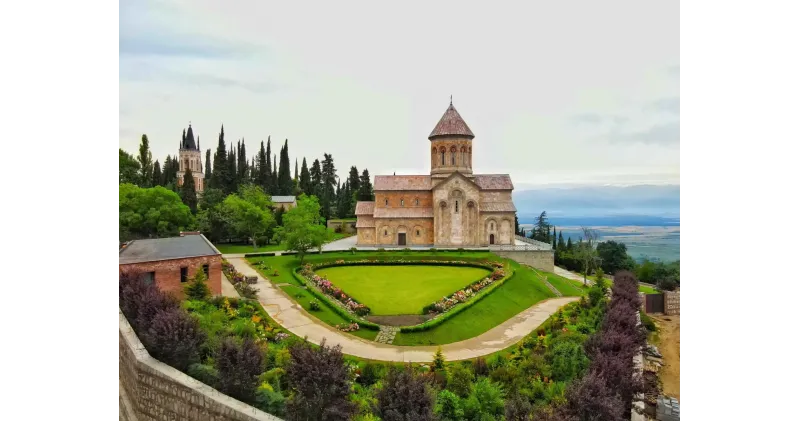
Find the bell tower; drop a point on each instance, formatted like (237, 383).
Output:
(451, 145)
(189, 157)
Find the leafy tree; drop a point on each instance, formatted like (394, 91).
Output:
(247, 219)
(405, 397)
(448, 406)
(305, 179)
(365, 192)
(174, 337)
(151, 212)
(156, 174)
(145, 159)
(220, 164)
(319, 383)
(188, 194)
(239, 367)
(460, 380)
(586, 251)
(211, 219)
(301, 230)
(371, 373)
(198, 288)
(614, 256)
(207, 168)
(284, 172)
(129, 168)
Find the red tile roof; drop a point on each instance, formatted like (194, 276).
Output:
(494, 182)
(403, 212)
(365, 222)
(365, 208)
(498, 207)
(402, 182)
(451, 124)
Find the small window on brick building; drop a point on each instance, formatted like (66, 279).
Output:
(385, 232)
(417, 202)
(402, 202)
(386, 202)
(417, 233)
(184, 274)
(205, 270)
(149, 278)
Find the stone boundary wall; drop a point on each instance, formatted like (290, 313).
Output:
(151, 390)
(539, 259)
(672, 303)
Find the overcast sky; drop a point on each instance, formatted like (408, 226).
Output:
(554, 93)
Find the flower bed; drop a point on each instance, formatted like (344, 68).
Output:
(463, 295)
(240, 282)
(328, 288)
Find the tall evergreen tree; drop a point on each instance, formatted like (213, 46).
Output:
(274, 177)
(305, 178)
(344, 200)
(242, 168)
(328, 185)
(208, 167)
(555, 245)
(156, 174)
(516, 225)
(231, 184)
(269, 187)
(220, 178)
(145, 159)
(569, 243)
(316, 178)
(253, 172)
(285, 186)
(188, 195)
(296, 175)
(365, 192)
(263, 169)
(354, 179)
(561, 245)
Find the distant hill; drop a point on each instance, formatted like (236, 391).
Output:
(600, 201)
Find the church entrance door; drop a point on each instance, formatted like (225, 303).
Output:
(401, 239)
(491, 238)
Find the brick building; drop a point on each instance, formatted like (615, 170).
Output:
(172, 262)
(451, 207)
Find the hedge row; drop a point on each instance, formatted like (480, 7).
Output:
(430, 324)
(334, 306)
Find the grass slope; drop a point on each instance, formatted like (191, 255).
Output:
(394, 290)
(523, 290)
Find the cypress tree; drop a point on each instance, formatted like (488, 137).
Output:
(274, 176)
(561, 245)
(220, 163)
(305, 178)
(231, 185)
(263, 169)
(188, 195)
(145, 159)
(365, 192)
(328, 185)
(285, 185)
(165, 171)
(316, 179)
(555, 245)
(353, 179)
(296, 175)
(241, 164)
(157, 176)
(208, 166)
(268, 186)
(569, 243)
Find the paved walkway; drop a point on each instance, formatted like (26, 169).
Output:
(291, 316)
(572, 275)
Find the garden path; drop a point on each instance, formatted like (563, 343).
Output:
(293, 317)
(571, 275)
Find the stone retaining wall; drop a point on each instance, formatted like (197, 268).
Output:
(152, 390)
(672, 303)
(539, 259)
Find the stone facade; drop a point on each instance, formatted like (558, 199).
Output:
(451, 207)
(190, 159)
(167, 273)
(150, 390)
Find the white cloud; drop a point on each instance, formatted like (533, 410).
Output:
(368, 83)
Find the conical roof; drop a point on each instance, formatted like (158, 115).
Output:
(451, 124)
(188, 141)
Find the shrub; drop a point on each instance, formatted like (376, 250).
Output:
(518, 408)
(438, 360)
(198, 289)
(314, 305)
(405, 396)
(238, 367)
(647, 322)
(460, 381)
(567, 360)
(381, 249)
(485, 401)
(205, 373)
(480, 367)
(319, 382)
(448, 406)
(269, 400)
(370, 374)
(667, 284)
(353, 250)
(174, 338)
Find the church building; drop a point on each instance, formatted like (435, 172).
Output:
(189, 157)
(451, 207)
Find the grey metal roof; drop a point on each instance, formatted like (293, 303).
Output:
(283, 199)
(149, 250)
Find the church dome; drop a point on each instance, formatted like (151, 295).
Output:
(451, 124)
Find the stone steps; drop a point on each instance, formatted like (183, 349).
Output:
(386, 334)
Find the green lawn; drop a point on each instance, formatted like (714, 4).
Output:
(518, 293)
(392, 290)
(325, 313)
(567, 287)
(247, 248)
(642, 288)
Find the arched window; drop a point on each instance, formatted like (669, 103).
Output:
(417, 202)
(417, 233)
(491, 226)
(456, 206)
(443, 157)
(402, 202)
(386, 202)
(385, 232)
(452, 158)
